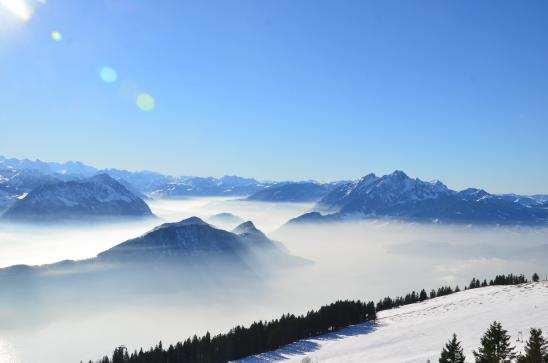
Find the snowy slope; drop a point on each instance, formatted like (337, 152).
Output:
(417, 332)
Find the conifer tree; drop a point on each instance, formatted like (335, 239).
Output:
(371, 311)
(536, 350)
(452, 353)
(535, 277)
(495, 346)
(473, 284)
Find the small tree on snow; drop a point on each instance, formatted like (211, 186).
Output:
(535, 277)
(452, 353)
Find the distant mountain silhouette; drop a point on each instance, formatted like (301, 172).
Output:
(196, 239)
(198, 186)
(146, 182)
(225, 218)
(189, 256)
(293, 192)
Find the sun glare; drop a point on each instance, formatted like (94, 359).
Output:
(17, 7)
(56, 36)
(146, 102)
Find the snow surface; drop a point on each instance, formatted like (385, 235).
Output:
(418, 332)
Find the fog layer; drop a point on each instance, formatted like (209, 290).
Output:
(46, 243)
(365, 260)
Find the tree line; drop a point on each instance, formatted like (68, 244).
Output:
(259, 337)
(414, 297)
(266, 336)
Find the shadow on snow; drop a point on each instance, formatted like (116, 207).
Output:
(310, 345)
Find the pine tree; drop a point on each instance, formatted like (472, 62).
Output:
(452, 353)
(535, 277)
(473, 284)
(371, 311)
(120, 355)
(495, 346)
(536, 350)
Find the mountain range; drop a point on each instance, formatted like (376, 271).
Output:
(390, 196)
(20, 176)
(70, 167)
(145, 182)
(293, 192)
(398, 196)
(198, 186)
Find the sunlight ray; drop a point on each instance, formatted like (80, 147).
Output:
(19, 8)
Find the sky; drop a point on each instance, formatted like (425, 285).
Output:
(455, 90)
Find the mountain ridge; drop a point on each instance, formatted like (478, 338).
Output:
(193, 237)
(293, 192)
(396, 195)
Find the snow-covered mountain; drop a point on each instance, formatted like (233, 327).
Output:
(541, 198)
(393, 195)
(197, 186)
(70, 167)
(18, 176)
(98, 196)
(293, 192)
(15, 183)
(145, 182)
(372, 192)
(398, 196)
(416, 333)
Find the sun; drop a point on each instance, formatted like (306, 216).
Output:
(18, 8)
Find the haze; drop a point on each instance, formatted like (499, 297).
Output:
(365, 260)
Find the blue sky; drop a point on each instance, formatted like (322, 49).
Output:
(284, 89)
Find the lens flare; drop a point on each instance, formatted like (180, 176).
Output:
(56, 36)
(18, 8)
(146, 102)
(108, 75)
